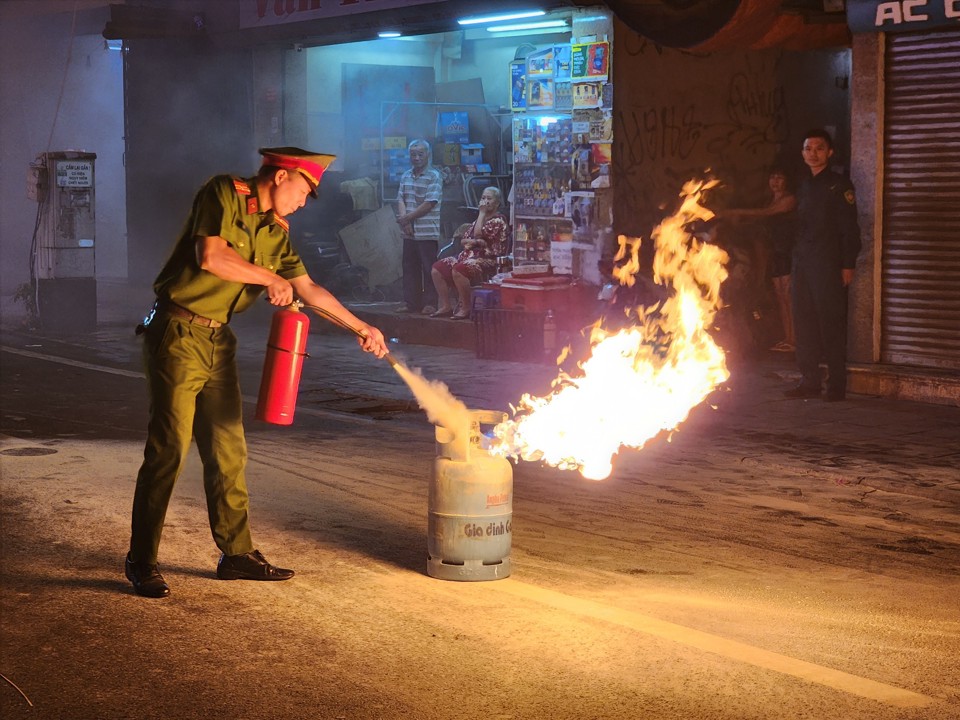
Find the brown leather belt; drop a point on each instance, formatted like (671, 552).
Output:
(182, 312)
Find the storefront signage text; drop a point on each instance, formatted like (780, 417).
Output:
(901, 15)
(259, 13)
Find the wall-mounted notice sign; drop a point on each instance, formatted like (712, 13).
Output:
(74, 173)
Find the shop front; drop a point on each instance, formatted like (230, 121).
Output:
(520, 104)
(905, 328)
(518, 97)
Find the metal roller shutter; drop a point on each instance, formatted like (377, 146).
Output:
(921, 201)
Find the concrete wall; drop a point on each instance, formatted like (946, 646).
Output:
(867, 176)
(60, 89)
(679, 114)
(190, 115)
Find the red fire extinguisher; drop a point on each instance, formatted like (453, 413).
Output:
(282, 364)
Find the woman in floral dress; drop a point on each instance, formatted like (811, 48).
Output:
(482, 242)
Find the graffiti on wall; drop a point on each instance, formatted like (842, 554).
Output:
(731, 134)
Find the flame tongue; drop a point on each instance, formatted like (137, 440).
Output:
(641, 380)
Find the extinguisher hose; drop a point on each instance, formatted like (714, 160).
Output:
(347, 326)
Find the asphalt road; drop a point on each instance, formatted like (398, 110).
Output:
(772, 560)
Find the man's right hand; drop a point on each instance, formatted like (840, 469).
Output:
(280, 292)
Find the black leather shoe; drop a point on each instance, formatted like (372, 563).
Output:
(251, 566)
(147, 580)
(802, 392)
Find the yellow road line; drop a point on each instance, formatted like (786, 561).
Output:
(73, 363)
(741, 652)
(129, 373)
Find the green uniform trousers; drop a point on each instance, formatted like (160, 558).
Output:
(194, 392)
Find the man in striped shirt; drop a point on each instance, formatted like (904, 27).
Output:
(418, 213)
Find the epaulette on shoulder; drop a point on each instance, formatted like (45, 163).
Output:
(241, 186)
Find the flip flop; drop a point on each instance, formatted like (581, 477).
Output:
(442, 313)
(460, 316)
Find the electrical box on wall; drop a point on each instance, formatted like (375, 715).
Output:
(64, 259)
(36, 182)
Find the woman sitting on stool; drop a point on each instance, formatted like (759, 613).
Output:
(481, 244)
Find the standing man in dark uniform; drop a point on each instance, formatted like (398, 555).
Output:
(235, 245)
(824, 256)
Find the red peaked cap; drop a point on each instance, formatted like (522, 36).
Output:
(310, 165)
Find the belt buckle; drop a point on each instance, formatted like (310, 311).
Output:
(205, 322)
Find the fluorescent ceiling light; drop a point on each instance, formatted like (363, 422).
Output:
(529, 26)
(499, 18)
(114, 44)
(388, 34)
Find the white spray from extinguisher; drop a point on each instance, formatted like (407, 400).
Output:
(436, 400)
(433, 397)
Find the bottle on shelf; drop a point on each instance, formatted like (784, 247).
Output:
(549, 333)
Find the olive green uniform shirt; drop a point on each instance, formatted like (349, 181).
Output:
(226, 207)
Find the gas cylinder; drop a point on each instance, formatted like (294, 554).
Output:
(469, 526)
(282, 364)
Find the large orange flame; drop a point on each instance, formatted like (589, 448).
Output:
(641, 380)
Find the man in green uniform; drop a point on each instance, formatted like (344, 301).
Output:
(235, 245)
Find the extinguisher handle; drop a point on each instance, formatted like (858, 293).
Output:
(346, 326)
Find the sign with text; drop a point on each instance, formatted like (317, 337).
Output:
(260, 13)
(901, 15)
(74, 173)
(589, 61)
(518, 85)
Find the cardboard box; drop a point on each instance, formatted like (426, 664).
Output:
(537, 295)
(471, 154)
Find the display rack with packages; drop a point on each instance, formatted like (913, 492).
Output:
(561, 209)
(562, 139)
(542, 175)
